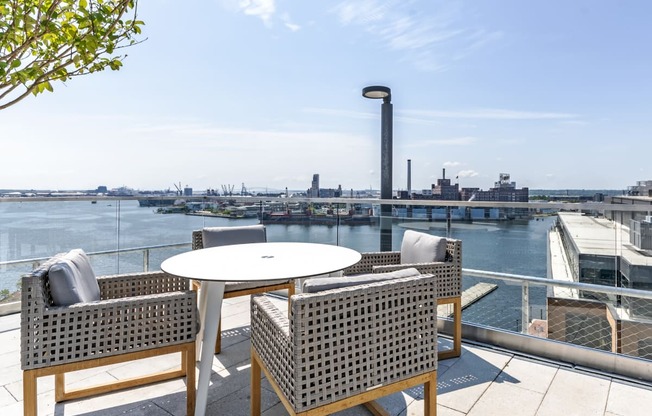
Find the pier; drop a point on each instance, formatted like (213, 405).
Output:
(469, 297)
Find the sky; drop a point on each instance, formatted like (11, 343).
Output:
(267, 93)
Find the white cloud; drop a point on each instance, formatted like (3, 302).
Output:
(451, 164)
(467, 173)
(430, 117)
(406, 33)
(429, 40)
(360, 12)
(264, 9)
(452, 141)
(261, 8)
(574, 123)
(490, 114)
(416, 120)
(341, 113)
(287, 21)
(477, 40)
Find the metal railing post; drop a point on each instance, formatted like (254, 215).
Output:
(146, 260)
(525, 307)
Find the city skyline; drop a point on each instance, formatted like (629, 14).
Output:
(268, 92)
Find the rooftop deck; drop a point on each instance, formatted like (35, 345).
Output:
(483, 381)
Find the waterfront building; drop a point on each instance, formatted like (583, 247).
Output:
(316, 192)
(444, 190)
(624, 218)
(330, 192)
(598, 250)
(642, 188)
(313, 192)
(503, 191)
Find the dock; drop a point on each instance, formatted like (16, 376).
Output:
(469, 297)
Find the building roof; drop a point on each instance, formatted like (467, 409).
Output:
(599, 236)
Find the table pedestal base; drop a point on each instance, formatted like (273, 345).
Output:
(210, 308)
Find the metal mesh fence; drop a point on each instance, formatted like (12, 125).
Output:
(593, 318)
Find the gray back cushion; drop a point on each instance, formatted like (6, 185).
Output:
(317, 284)
(72, 279)
(422, 248)
(224, 236)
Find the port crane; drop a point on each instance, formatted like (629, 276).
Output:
(227, 190)
(179, 190)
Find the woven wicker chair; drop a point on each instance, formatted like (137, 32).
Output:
(449, 281)
(347, 346)
(235, 289)
(138, 315)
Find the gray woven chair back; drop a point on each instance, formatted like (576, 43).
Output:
(449, 272)
(223, 236)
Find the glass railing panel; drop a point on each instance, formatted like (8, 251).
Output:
(37, 230)
(505, 305)
(126, 237)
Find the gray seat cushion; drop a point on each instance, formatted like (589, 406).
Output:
(72, 279)
(419, 247)
(224, 236)
(317, 284)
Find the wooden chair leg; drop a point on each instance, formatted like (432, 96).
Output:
(218, 340)
(457, 331)
(255, 385)
(291, 291)
(29, 393)
(59, 387)
(188, 358)
(430, 396)
(456, 351)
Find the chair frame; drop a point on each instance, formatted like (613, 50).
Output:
(312, 378)
(197, 244)
(139, 315)
(449, 281)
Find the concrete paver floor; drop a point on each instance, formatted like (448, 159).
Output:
(482, 382)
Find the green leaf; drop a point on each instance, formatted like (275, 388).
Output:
(71, 39)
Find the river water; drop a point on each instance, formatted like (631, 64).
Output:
(40, 229)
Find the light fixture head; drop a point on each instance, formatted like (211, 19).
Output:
(376, 92)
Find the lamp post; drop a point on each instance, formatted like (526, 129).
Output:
(377, 92)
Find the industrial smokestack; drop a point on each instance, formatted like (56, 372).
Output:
(443, 173)
(409, 184)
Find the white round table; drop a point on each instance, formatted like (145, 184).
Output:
(247, 263)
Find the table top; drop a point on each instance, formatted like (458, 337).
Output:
(260, 261)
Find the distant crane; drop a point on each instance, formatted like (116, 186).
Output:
(243, 191)
(227, 190)
(179, 190)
